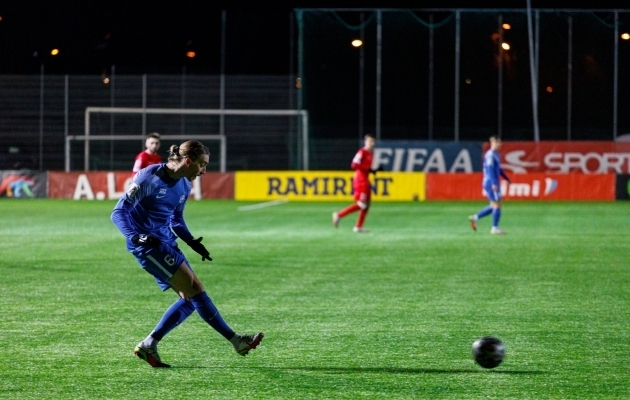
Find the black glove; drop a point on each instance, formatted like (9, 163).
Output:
(199, 248)
(374, 171)
(145, 240)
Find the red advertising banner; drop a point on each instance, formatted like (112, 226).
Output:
(454, 186)
(565, 157)
(217, 185)
(534, 186)
(111, 185)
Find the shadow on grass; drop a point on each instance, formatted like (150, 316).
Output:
(381, 370)
(393, 370)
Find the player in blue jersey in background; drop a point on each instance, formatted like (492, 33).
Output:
(150, 215)
(492, 172)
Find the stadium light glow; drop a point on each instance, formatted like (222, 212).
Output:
(54, 52)
(506, 26)
(625, 36)
(468, 81)
(191, 54)
(549, 89)
(106, 80)
(505, 46)
(357, 43)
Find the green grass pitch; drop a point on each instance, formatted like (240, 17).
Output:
(390, 314)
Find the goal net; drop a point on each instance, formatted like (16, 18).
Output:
(242, 139)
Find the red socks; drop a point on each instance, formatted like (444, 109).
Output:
(350, 209)
(362, 215)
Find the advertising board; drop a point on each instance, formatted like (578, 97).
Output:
(111, 185)
(622, 187)
(22, 184)
(325, 186)
(588, 157)
(534, 186)
(427, 156)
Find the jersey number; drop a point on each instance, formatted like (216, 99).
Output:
(169, 260)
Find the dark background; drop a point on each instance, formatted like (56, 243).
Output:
(152, 37)
(140, 36)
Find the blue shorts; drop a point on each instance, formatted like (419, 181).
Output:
(492, 195)
(161, 262)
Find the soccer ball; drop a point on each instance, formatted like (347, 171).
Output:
(488, 351)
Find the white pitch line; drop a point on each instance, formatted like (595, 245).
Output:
(262, 205)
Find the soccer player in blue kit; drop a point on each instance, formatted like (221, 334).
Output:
(491, 172)
(150, 215)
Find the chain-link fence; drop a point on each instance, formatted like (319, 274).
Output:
(434, 74)
(37, 113)
(465, 74)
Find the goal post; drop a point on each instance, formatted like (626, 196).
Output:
(87, 137)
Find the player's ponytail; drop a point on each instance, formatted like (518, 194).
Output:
(191, 149)
(173, 153)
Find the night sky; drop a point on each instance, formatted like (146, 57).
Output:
(154, 37)
(141, 36)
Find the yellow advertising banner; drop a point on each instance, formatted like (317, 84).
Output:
(326, 186)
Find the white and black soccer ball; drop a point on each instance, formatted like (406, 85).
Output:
(488, 351)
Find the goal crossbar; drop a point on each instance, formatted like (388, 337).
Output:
(86, 137)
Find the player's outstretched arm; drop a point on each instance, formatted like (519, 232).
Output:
(178, 225)
(120, 218)
(200, 249)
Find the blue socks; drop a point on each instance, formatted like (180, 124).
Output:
(496, 216)
(209, 313)
(175, 315)
(181, 309)
(484, 212)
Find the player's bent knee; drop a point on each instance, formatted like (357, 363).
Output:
(184, 280)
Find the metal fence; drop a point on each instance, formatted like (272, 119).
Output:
(37, 113)
(443, 74)
(433, 74)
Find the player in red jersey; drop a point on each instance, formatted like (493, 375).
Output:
(150, 156)
(362, 166)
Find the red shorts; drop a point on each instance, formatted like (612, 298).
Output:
(363, 194)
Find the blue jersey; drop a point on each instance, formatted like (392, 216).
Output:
(153, 204)
(491, 168)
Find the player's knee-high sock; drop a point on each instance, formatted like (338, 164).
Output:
(484, 212)
(361, 218)
(206, 309)
(496, 216)
(350, 209)
(175, 315)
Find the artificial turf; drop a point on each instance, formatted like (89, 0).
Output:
(387, 314)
